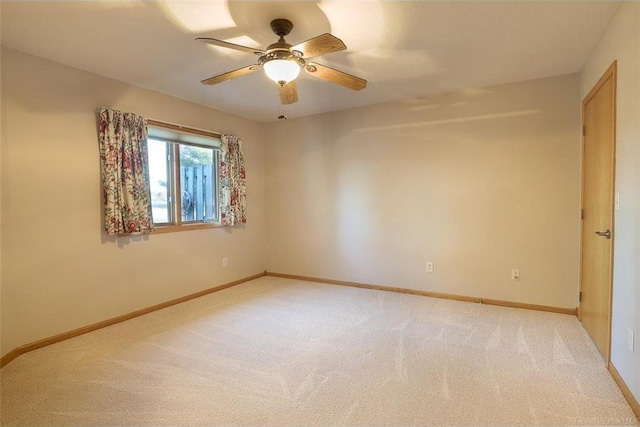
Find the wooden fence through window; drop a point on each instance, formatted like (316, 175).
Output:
(197, 193)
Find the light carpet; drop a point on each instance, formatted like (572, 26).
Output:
(283, 352)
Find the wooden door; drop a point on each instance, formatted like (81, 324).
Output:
(598, 162)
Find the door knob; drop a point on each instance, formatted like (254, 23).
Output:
(606, 234)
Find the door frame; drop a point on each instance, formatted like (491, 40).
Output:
(610, 73)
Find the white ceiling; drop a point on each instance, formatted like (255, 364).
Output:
(405, 49)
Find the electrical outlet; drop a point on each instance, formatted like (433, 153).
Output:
(429, 267)
(630, 340)
(515, 274)
(224, 261)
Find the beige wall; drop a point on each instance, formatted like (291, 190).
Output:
(478, 182)
(622, 43)
(59, 270)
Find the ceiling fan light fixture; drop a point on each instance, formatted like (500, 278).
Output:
(282, 62)
(282, 71)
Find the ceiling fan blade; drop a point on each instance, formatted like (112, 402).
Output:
(335, 76)
(222, 43)
(289, 93)
(231, 75)
(320, 45)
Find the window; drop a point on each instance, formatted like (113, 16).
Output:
(183, 175)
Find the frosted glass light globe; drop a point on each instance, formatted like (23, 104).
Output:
(281, 71)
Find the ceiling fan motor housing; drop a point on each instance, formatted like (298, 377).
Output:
(281, 54)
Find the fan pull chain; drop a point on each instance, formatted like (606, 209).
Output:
(283, 110)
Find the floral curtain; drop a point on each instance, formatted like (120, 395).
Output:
(125, 172)
(233, 187)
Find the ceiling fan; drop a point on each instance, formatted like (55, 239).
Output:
(282, 62)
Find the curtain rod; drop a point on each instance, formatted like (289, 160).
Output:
(178, 127)
(175, 126)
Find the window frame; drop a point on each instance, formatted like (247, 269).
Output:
(174, 196)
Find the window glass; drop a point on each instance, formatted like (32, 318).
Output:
(160, 182)
(197, 183)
